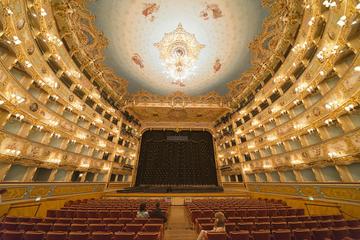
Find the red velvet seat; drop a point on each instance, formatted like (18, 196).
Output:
(115, 227)
(152, 228)
(124, 236)
(355, 232)
(195, 214)
(43, 227)
(261, 235)
(10, 219)
(230, 227)
(249, 226)
(78, 236)
(340, 232)
(156, 221)
(340, 223)
(102, 235)
(97, 227)
(295, 225)
(131, 227)
(326, 223)
(311, 224)
(30, 235)
(353, 223)
(94, 221)
(79, 220)
(124, 220)
(24, 219)
(12, 235)
(26, 226)
(50, 220)
(278, 219)
(302, 234)
(10, 226)
(262, 226)
(216, 235)
(321, 233)
(76, 227)
(240, 235)
(127, 214)
(282, 234)
(279, 225)
(140, 220)
(206, 226)
(207, 213)
(263, 219)
(148, 236)
(62, 227)
(110, 220)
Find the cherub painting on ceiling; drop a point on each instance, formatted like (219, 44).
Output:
(217, 65)
(211, 10)
(137, 60)
(149, 10)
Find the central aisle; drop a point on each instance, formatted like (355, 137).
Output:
(179, 227)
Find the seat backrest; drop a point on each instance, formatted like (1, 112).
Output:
(34, 235)
(78, 236)
(147, 236)
(132, 227)
(124, 236)
(56, 235)
(261, 235)
(12, 235)
(216, 235)
(102, 235)
(240, 235)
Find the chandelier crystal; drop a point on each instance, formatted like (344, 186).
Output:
(179, 51)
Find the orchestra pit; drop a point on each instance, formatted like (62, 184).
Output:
(179, 120)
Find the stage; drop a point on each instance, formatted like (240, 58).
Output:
(231, 190)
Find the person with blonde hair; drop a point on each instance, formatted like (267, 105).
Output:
(219, 226)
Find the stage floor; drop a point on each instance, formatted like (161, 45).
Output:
(222, 194)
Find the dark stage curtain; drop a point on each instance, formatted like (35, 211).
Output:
(176, 158)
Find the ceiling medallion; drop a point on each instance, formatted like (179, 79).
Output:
(179, 51)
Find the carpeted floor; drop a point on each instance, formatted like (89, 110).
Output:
(179, 227)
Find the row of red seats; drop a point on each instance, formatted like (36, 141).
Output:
(93, 214)
(299, 234)
(83, 220)
(247, 213)
(31, 235)
(279, 225)
(332, 218)
(67, 227)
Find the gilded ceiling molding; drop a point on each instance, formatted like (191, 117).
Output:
(176, 99)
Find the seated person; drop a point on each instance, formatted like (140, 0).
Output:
(157, 213)
(142, 213)
(219, 226)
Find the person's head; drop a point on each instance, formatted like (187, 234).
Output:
(142, 207)
(157, 205)
(219, 219)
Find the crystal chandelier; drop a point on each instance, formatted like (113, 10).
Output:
(179, 51)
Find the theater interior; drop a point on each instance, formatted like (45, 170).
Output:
(245, 108)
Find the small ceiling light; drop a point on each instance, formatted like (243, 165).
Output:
(16, 40)
(342, 21)
(349, 107)
(329, 3)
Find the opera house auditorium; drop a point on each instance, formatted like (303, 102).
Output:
(179, 119)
